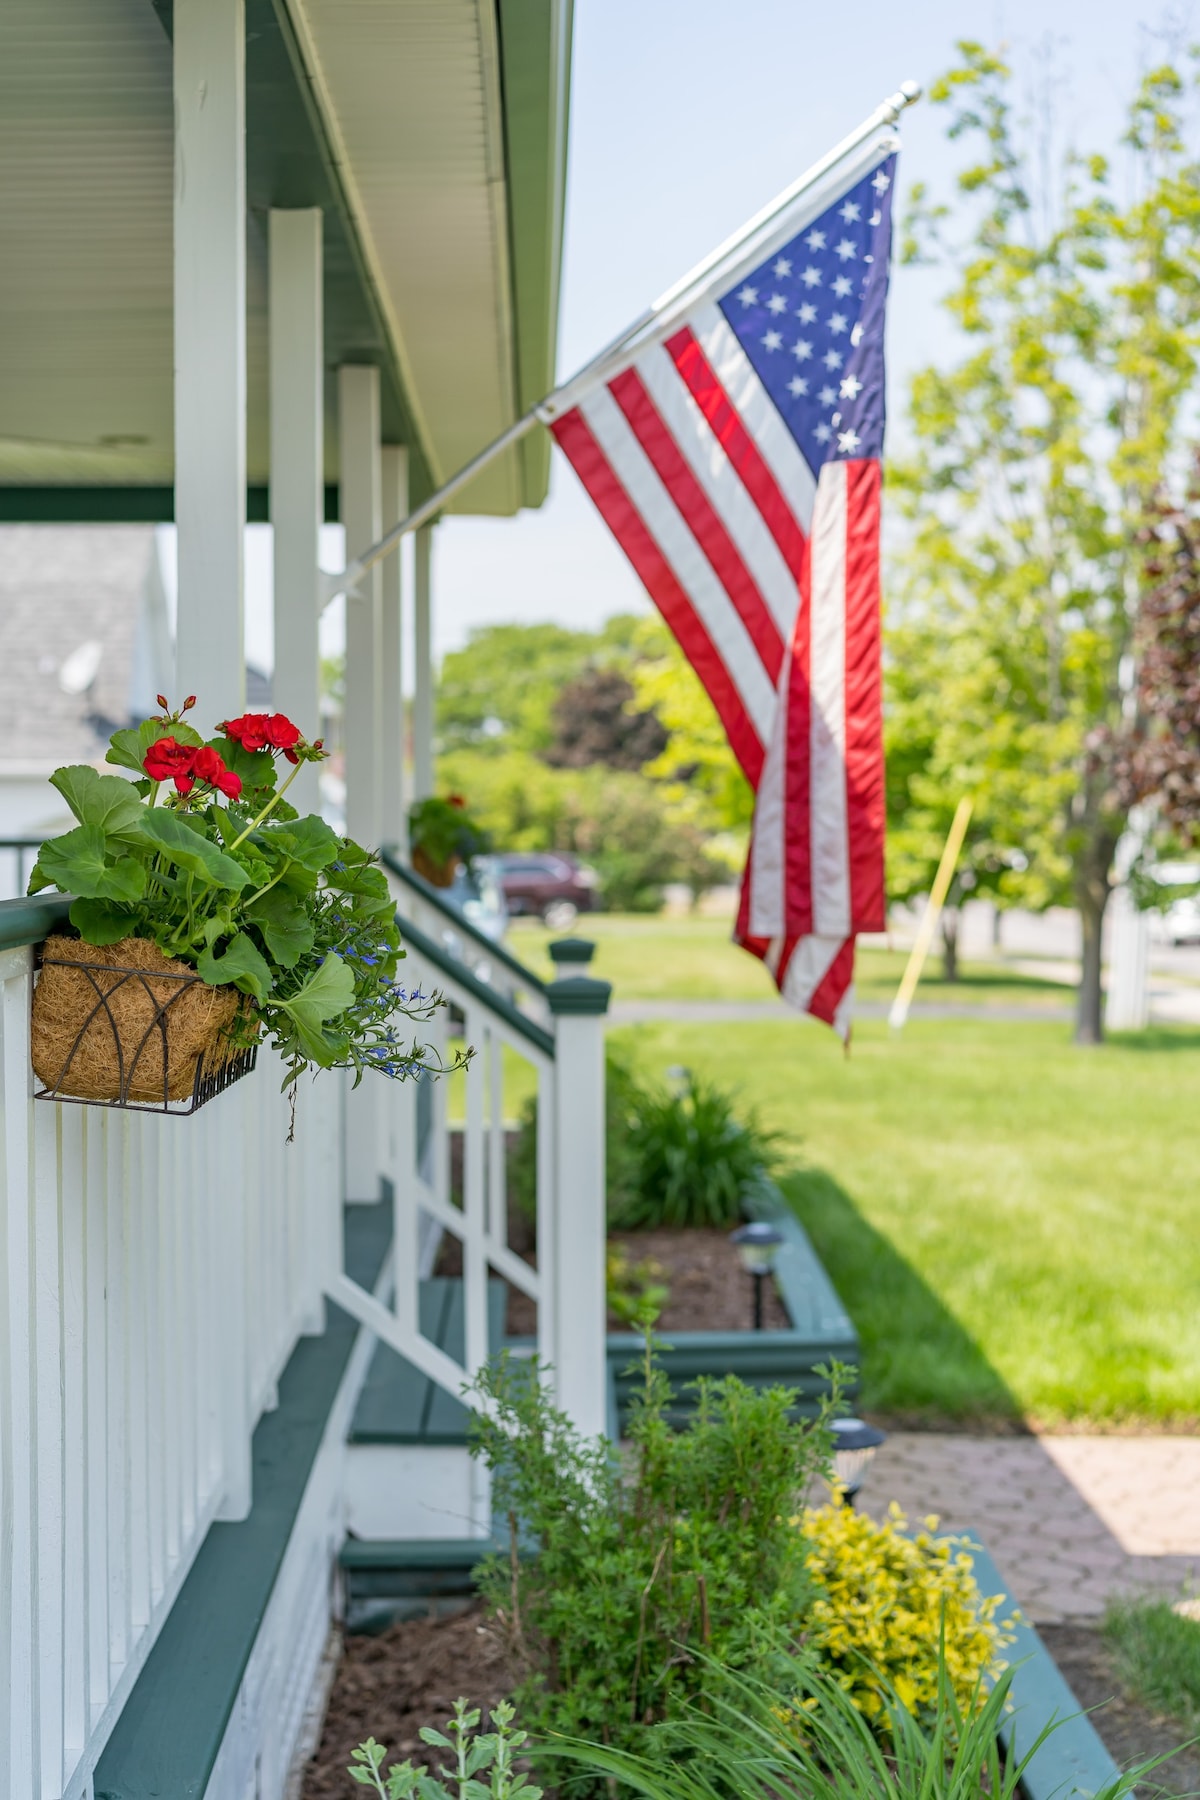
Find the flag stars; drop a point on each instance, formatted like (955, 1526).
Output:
(807, 314)
(851, 388)
(815, 240)
(856, 335)
(772, 340)
(831, 358)
(802, 349)
(876, 218)
(748, 296)
(837, 323)
(782, 269)
(776, 304)
(881, 182)
(822, 432)
(848, 442)
(827, 396)
(846, 250)
(797, 387)
(843, 287)
(811, 277)
(850, 212)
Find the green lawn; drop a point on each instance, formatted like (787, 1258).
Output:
(1011, 1222)
(651, 958)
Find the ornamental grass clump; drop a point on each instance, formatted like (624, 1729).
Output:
(894, 1616)
(199, 866)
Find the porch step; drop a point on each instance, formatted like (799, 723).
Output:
(409, 1474)
(389, 1579)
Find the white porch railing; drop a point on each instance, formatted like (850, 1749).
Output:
(154, 1276)
(565, 1057)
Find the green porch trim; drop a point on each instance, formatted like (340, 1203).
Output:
(535, 62)
(170, 1732)
(29, 921)
(121, 505)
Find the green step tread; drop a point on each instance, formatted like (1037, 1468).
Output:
(401, 1405)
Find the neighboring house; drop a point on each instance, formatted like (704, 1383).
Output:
(286, 261)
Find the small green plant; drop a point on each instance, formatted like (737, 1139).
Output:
(624, 1093)
(695, 1158)
(490, 1754)
(1157, 1653)
(745, 1739)
(639, 1573)
(637, 1291)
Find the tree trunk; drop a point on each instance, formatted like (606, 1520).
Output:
(1092, 869)
(950, 944)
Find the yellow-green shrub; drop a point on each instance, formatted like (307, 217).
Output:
(884, 1600)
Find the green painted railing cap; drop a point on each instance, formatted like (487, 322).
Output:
(578, 994)
(572, 950)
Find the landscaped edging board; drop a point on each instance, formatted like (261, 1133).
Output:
(1073, 1760)
(217, 1709)
(822, 1331)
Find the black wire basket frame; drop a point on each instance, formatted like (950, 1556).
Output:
(209, 1081)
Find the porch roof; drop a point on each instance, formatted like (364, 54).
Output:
(432, 134)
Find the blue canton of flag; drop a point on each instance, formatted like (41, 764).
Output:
(810, 319)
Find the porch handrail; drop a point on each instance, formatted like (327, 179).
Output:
(29, 921)
(434, 897)
(465, 978)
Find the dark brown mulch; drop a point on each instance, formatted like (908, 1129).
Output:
(709, 1289)
(387, 1687)
(1131, 1732)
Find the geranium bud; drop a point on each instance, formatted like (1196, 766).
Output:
(163, 702)
(189, 703)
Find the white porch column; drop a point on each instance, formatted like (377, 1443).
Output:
(578, 1003)
(395, 799)
(361, 510)
(297, 351)
(423, 657)
(210, 351)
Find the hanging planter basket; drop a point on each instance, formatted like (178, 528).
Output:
(437, 874)
(126, 1026)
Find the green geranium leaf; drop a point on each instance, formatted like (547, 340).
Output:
(328, 991)
(256, 767)
(100, 921)
(105, 800)
(127, 749)
(310, 842)
(285, 924)
(176, 833)
(82, 862)
(242, 965)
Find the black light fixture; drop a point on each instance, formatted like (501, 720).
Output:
(758, 1246)
(854, 1444)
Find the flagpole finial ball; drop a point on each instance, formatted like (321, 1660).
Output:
(911, 91)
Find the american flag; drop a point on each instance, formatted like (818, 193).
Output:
(736, 458)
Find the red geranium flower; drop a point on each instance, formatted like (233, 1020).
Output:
(209, 766)
(249, 731)
(456, 800)
(167, 760)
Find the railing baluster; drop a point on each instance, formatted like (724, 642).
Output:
(76, 1593)
(475, 1268)
(48, 1467)
(96, 1131)
(120, 1601)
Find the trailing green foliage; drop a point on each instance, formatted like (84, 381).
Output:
(793, 1730)
(638, 1574)
(443, 828)
(202, 855)
(1157, 1653)
(475, 1754)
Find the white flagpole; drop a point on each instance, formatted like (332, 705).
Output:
(886, 113)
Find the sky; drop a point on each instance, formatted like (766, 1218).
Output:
(686, 117)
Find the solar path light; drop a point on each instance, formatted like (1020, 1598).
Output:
(758, 1246)
(854, 1444)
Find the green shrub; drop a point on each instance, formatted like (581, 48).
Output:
(623, 1098)
(693, 1158)
(474, 1753)
(898, 1616)
(638, 1572)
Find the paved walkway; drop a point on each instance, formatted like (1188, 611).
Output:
(740, 1012)
(1070, 1521)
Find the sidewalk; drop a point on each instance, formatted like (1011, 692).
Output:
(1070, 1521)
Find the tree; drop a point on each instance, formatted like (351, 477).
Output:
(696, 765)
(595, 722)
(499, 691)
(1036, 459)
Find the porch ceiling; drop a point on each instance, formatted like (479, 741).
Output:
(431, 132)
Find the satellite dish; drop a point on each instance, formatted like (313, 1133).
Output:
(78, 671)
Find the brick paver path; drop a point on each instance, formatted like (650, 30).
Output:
(1070, 1521)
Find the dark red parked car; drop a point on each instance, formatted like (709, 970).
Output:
(549, 884)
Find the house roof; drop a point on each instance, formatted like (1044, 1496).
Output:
(430, 132)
